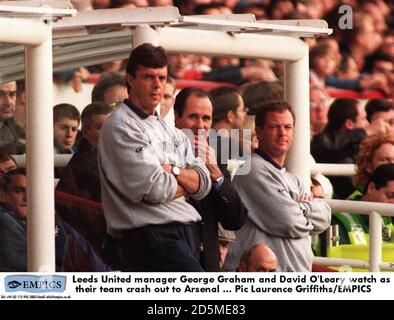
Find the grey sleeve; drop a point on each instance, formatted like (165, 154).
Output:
(319, 214)
(130, 165)
(197, 164)
(271, 206)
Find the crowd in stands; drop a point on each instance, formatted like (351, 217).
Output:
(139, 195)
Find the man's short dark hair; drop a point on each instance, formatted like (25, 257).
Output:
(378, 105)
(341, 110)
(274, 106)
(148, 56)
(65, 110)
(225, 99)
(5, 181)
(106, 81)
(382, 175)
(184, 94)
(95, 108)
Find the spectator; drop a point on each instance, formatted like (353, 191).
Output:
(354, 228)
(111, 89)
(225, 238)
(73, 252)
(319, 104)
(12, 135)
(259, 258)
(283, 215)
(374, 150)
(381, 110)
(338, 143)
(81, 177)
(144, 182)
(167, 102)
(66, 120)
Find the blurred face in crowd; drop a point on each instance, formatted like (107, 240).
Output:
(197, 115)
(324, 65)
(276, 137)
(115, 95)
(319, 104)
(65, 131)
(386, 116)
(147, 87)
(237, 117)
(16, 199)
(383, 154)
(92, 132)
(168, 99)
(361, 119)
(179, 64)
(223, 249)
(7, 100)
(385, 194)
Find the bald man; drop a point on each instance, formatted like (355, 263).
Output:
(259, 258)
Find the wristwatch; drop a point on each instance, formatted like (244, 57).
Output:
(175, 170)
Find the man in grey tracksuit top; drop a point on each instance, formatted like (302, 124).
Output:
(147, 169)
(281, 213)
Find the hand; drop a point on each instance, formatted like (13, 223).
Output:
(167, 168)
(305, 198)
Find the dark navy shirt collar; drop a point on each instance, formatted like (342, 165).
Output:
(266, 157)
(142, 114)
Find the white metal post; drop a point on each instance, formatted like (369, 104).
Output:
(40, 172)
(375, 241)
(297, 95)
(144, 33)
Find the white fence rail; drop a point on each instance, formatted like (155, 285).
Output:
(375, 263)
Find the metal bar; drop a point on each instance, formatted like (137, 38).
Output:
(296, 86)
(15, 31)
(60, 160)
(375, 241)
(341, 262)
(40, 173)
(361, 207)
(334, 169)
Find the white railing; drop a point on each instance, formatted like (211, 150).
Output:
(375, 263)
(334, 169)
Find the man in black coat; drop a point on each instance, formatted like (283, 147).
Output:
(193, 111)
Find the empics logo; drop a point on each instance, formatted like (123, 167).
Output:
(36, 284)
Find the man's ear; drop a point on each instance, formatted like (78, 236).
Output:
(348, 125)
(230, 116)
(371, 187)
(129, 79)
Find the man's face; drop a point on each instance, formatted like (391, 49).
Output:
(319, 104)
(196, 116)
(92, 133)
(7, 100)
(16, 199)
(384, 154)
(223, 249)
(276, 137)
(386, 116)
(65, 131)
(167, 100)
(384, 194)
(239, 115)
(147, 87)
(179, 64)
(115, 95)
(361, 119)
